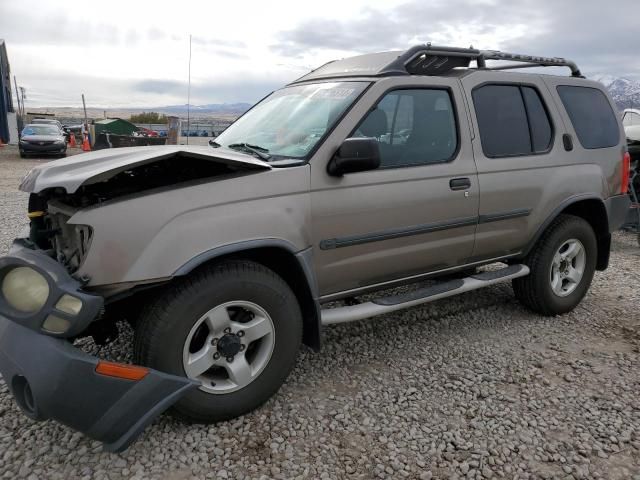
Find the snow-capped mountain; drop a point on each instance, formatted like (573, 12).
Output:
(625, 92)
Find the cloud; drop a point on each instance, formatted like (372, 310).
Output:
(55, 27)
(600, 37)
(158, 86)
(129, 54)
(246, 88)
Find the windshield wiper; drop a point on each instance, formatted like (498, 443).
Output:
(257, 150)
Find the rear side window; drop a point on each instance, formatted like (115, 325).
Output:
(539, 124)
(591, 115)
(512, 120)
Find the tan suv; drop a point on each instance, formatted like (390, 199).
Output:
(367, 173)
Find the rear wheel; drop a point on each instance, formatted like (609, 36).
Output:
(235, 328)
(562, 265)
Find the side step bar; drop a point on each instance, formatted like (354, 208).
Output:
(393, 303)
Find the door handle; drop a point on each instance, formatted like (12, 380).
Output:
(567, 140)
(459, 183)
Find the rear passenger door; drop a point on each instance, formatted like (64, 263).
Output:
(519, 155)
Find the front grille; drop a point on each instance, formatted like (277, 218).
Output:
(70, 242)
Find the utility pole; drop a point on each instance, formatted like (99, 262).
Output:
(22, 90)
(86, 121)
(15, 84)
(189, 96)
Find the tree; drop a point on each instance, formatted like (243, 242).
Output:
(149, 117)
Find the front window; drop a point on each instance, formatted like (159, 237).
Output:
(290, 122)
(413, 127)
(40, 130)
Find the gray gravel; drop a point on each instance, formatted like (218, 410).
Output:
(472, 387)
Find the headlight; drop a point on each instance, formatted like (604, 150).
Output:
(25, 289)
(69, 304)
(55, 324)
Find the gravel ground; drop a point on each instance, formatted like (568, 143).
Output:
(471, 387)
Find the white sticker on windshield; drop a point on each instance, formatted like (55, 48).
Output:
(335, 93)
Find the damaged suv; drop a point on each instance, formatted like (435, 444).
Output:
(367, 173)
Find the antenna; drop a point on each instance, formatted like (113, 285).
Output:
(189, 95)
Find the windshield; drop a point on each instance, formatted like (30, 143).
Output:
(290, 122)
(41, 130)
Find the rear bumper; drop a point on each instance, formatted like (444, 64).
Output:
(617, 208)
(51, 379)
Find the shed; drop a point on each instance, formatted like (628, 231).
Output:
(116, 126)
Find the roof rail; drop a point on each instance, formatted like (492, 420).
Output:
(436, 60)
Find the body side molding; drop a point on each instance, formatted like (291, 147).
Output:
(392, 233)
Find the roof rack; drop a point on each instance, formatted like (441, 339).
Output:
(434, 60)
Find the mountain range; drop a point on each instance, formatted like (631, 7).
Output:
(212, 108)
(625, 92)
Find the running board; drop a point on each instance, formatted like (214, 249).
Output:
(393, 303)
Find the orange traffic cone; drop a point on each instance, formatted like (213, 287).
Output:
(72, 140)
(85, 144)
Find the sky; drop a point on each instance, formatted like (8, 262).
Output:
(135, 54)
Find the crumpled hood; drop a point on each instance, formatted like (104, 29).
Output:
(89, 168)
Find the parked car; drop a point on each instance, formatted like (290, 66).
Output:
(147, 132)
(365, 174)
(42, 139)
(51, 121)
(47, 121)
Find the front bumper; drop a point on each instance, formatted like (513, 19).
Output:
(51, 149)
(51, 379)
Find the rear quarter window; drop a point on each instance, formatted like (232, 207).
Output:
(592, 117)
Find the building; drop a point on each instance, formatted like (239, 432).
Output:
(8, 118)
(116, 126)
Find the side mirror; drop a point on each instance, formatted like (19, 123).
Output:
(355, 155)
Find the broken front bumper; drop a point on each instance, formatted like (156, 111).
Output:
(51, 379)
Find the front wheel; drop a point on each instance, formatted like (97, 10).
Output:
(562, 265)
(236, 328)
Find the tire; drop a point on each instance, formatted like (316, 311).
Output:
(536, 290)
(167, 332)
(22, 154)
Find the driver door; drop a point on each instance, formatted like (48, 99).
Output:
(417, 213)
